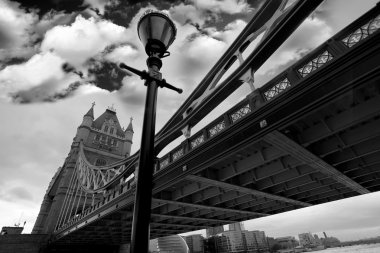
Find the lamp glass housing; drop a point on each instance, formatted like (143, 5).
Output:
(156, 31)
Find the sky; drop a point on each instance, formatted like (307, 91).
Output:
(44, 48)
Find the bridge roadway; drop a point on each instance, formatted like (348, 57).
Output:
(309, 136)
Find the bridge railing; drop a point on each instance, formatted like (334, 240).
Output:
(110, 195)
(339, 44)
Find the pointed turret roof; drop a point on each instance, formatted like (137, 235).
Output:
(107, 115)
(90, 112)
(130, 127)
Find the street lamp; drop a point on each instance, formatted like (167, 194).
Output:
(157, 32)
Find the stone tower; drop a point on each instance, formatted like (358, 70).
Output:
(104, 142)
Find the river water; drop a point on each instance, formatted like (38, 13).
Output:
(365, 248)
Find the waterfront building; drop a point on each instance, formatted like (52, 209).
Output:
(210, 245)
(271, 242)
(317, 240)
(251, 244)
(211, 231)
(230, 242)
(168, 244)
(286, 242)
(195, 243)
(330, 242)
(238, 226)
(307, 240)
(261, 240)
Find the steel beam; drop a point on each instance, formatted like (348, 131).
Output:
(245, 190)
(289, 146)
(196, 219)
(213, 208)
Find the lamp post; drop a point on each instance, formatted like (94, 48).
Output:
(157, 32)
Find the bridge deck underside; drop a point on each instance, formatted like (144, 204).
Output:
(265, 177)
(321, 144)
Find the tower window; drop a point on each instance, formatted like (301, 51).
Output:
(100, 162)
(111, 131)
(106, 129)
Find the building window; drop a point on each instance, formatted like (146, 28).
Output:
(106, 129)
(97, 137)
(103, 138)
(111, 131)
(100, 162)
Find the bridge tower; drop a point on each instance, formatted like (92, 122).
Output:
(104, 142)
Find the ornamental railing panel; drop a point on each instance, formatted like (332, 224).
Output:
(217, 128)
(315, 64)
(277, 89)
(363, 32)
(197, 141)
(164, 163)
(177, 154)
(240, 113)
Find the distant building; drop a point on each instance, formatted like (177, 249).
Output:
(317, 240)
(310, 242)
(251, 244)
(195, 243)
(261, 240)
(214, 231)
(330, 242)
(271, 242)
(230, 242)
(238, 226)
(286, 242)
(168, 244)
(307, 240)
(210, 245)
(11, 230)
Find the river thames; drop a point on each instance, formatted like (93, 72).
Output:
(365, 248)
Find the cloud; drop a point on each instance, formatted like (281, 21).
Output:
(16, 28)
(107, 75)
(101, 5)
(184, 14)
(51, 19)
(41, 69)
(83, 39)
(42, 7)
(226, 6)
(43, 93)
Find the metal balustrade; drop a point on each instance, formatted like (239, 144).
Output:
(311, 63)
(362, 32)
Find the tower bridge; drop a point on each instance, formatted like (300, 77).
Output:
(309, 136)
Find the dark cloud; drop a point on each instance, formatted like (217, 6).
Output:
(68, 92)
(44, 93)
(11, 61)
(106, 75)
(45, 6)
(123, 12)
